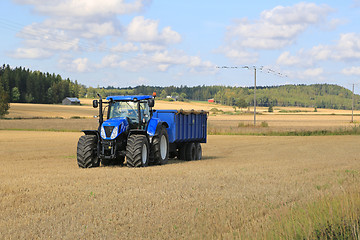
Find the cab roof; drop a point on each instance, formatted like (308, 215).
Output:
(129, 97)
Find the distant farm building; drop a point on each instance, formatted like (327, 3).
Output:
(71, 101)
(211, 100)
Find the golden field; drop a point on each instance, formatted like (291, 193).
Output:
(239, 189)
(245, 187)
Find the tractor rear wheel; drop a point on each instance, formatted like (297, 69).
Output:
(160, 146)
(137, 151)
(86, 152)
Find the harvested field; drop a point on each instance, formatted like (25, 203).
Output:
(243, 184)
(26, 116)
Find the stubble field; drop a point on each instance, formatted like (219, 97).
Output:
(245, 187)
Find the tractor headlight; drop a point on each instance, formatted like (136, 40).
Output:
(114, 132)
(102, 133)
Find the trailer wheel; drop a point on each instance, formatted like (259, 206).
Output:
(190, 152)
(160, 146)
(182, 152)
(198, 151)
(86, 152)
(137, 151)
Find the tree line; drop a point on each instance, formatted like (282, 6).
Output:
(26, 86)
(315, 95)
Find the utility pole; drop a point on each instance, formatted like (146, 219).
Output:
(254, 96)
(261, 69)
(352, 108)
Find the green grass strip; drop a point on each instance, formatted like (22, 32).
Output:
(352, 131)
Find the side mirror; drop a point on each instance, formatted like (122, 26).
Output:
(151, 102)
(95, 103)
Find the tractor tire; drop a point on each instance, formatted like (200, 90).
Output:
(137, 151)
(160, 146)
(198, 151)
(86, 152)
(190, 152)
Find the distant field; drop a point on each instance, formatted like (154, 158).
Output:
(246, 187)
(282, 120)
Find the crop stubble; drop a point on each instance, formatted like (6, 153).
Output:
(239, 185)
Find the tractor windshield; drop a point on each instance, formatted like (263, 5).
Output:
(125, 110)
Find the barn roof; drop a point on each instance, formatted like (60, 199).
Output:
(73, 99)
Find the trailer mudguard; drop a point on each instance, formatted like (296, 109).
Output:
(152, 126)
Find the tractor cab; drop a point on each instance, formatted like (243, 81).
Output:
(136, 111)
(124, 113)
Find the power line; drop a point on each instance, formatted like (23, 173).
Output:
(255, 68)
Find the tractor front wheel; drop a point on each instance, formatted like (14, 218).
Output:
(137, 151)
(86, 152)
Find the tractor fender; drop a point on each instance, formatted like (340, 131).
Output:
(91, 132)
(153, 126)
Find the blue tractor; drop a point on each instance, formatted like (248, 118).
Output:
(136, 134)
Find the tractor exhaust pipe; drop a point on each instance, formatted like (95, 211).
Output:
(101, 115)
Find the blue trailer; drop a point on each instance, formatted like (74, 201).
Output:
(138, 135)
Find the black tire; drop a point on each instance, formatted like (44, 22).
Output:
(160, 146)
(190, 152)
(86, 152)
(135, 151)
(198, 151)
(182, 152)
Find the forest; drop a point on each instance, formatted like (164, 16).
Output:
(27, 86)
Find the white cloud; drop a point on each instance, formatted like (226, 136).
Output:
(148, 47)
(84, 8)
(76, 65)
(127, 47)
(351, 71)
(239, 56)
(277, 27)
(111, 61)
(170, 57)
(142, 81)
(161, 61)
(286, 59)
(75, 24)
(313, 72)
(83, 26)
(81, 64)
(346, 49)
(146, 30)
(51, 39)
(301, 13)
(31, 53)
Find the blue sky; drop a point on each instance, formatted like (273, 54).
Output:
(126, 43)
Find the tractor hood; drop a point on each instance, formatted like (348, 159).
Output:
(113, 127)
